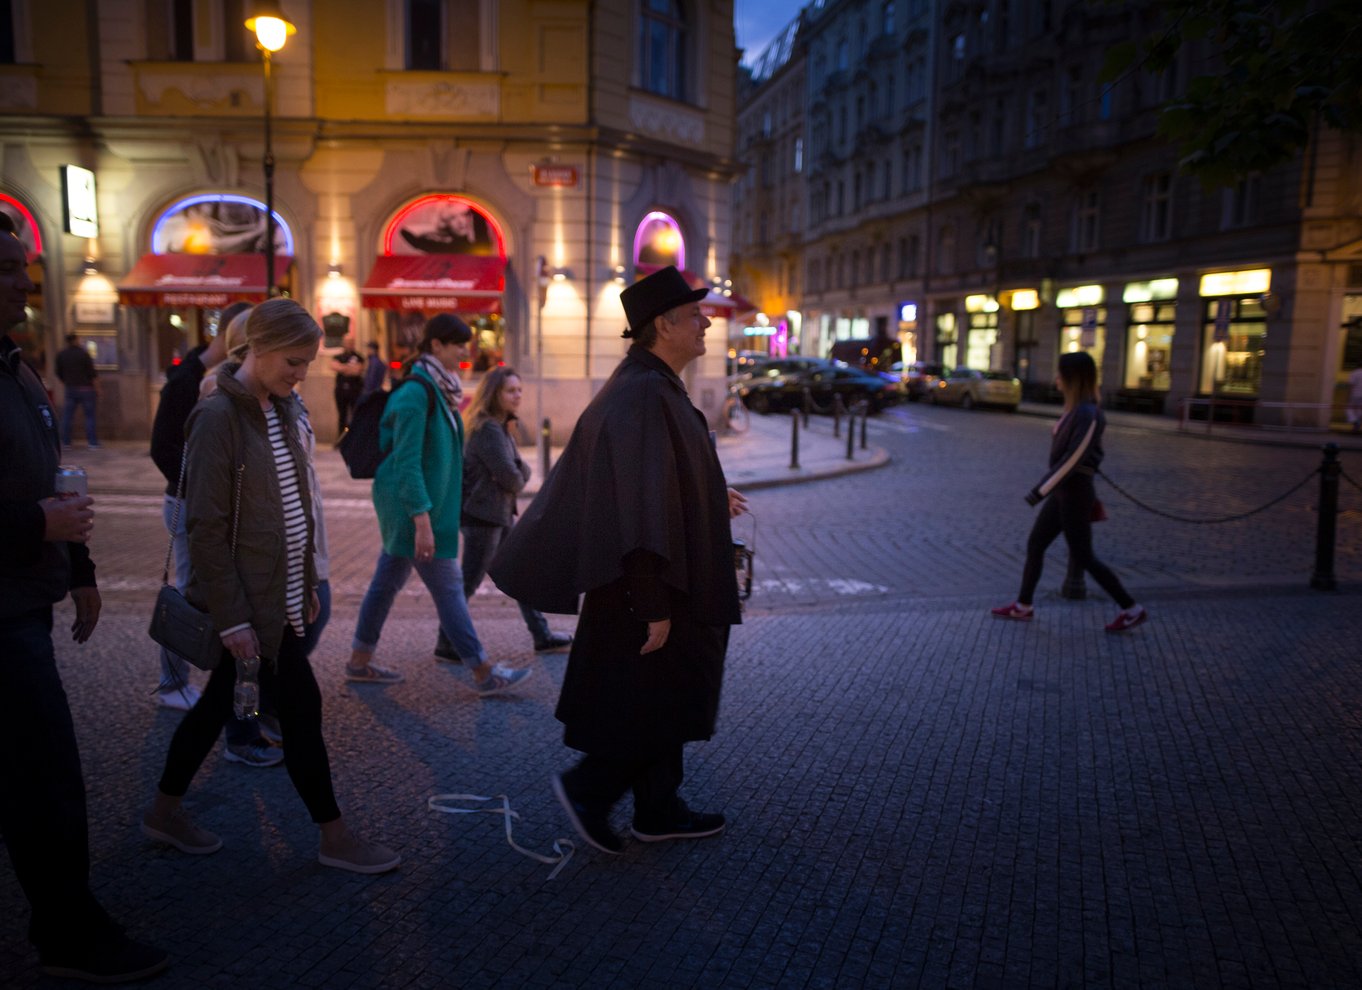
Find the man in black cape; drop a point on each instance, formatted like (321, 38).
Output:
(635, 516)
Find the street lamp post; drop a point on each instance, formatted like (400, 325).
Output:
(272, 30)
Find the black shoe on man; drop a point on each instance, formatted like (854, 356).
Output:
(108, 958)
(593, 825)
(687, 825)
(556, 643)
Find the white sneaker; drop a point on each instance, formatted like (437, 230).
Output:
(181, 699)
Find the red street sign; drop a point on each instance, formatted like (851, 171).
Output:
(555, 175)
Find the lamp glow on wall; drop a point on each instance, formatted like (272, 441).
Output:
(272, 31)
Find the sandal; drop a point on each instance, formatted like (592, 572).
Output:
(372, 673)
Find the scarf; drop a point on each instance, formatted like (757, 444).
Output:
(449, 386)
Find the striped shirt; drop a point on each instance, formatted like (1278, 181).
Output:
(295, 520)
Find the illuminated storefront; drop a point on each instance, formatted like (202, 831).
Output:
(1150, 322)
(1082, 320)
(981, 332)
(1234, 332)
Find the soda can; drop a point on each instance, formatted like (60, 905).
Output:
(71, 482)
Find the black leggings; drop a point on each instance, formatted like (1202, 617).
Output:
(299, 701)
(1068, 510)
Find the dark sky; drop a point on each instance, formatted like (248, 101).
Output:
(758, 21)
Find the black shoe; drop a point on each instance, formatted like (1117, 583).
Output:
(446, 654)
(113, 958)
(692, 825)
(556, 643)
(593, 826)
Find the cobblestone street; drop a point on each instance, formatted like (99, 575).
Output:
(918, 795)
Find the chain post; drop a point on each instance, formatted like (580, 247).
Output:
(794, 439)
(1329, 471)
(545, 431)
(837, 410)
(865, 419)
(851, 433)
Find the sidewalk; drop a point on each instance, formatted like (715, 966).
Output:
(757, 458)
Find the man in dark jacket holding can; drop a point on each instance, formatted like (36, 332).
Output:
(43, 536)
(635, 516)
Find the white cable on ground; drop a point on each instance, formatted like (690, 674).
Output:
(562, 847)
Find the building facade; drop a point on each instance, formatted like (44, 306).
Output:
(976, 194)
(516, 162)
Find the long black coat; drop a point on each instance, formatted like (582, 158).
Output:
(638, 474)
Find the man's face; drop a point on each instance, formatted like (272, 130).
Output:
(15, 285)
(682, 333)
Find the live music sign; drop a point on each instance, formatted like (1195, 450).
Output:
(555, 175)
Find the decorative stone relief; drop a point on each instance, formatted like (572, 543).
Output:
(19, 93)
(442, 99)
(671, 122)
(201, 88)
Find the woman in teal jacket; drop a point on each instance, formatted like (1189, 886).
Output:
(417, 493)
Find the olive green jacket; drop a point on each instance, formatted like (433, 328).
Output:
(227, 438)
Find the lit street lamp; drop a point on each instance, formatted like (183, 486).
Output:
(272, 30)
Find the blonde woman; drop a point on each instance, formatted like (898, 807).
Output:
(254, 572)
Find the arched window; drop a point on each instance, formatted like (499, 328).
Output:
(662, 48)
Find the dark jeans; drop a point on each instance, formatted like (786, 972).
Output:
(83, 396)
(1068, 510)
(290, 682)
(600, 779)
(345, 404)
(246, 731)
(42, 811)
(479, 547)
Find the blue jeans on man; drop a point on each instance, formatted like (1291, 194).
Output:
(84, 397)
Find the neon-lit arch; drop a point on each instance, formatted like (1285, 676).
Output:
(442, 223)
(659, 242)
(28, 230)
(216, 223)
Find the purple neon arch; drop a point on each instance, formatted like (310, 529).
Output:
(657, 216)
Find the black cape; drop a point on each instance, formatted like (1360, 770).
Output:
(638, 473)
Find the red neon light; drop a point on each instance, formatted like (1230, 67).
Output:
(38, 237)
(391, 231)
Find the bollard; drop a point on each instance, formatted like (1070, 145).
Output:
(865, 418)
(808, 405)
(544, 453)
(794, 439)
(837, 410)
(1329, 471)
(851, 433)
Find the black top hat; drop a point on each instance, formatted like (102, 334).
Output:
(661, 292)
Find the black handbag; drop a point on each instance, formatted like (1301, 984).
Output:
(182, 628)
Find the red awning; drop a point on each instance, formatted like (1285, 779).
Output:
(457, 283)
(716, 304)
(210, 280)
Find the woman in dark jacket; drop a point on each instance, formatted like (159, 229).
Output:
(493, 475)
(251, 538)
(1069, 496)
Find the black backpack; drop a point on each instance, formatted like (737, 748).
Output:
(358, 445)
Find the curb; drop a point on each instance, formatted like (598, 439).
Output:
(878, 458)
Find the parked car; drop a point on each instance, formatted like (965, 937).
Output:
(776, 367)
(968, 387)
(744, 361)
(763, 394)
(919, 378)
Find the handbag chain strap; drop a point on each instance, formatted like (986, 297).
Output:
(179, 503)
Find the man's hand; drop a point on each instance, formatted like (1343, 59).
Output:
(68, 520)
(242, 644)
(737, 503)
(657, 636)
(87, 602)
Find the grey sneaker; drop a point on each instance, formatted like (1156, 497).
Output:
(501, 679)
(256, 754)
(358, 856)
(177, 830)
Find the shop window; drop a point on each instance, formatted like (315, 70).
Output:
(1234, 342)
(662, 48)
(1083, 328)
(947, 346)
(1149, 344)
(980, 339)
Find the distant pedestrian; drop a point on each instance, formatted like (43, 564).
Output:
(76, 370)
(43, 818)
(1070, 499)
(375, 371)
(418, 495)
(349, 369)
(493, 474)
(178, 396)
(635, 517)
(253, 570)
(1355, 399)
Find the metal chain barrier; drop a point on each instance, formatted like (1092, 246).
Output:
(1344, 475)
(1219, 519)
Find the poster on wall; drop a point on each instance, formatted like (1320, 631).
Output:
(443, 225)
(219, 224)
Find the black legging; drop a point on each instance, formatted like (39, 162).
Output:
(299, 701)
(1068, 510)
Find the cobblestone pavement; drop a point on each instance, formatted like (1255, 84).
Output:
(919, 795)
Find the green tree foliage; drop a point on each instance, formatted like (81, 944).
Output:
(1267, 74)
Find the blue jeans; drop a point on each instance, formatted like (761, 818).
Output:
(445, 583)
(83, 396)
(42, 815)
(479, 547)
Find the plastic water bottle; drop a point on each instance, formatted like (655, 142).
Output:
(246, 694)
